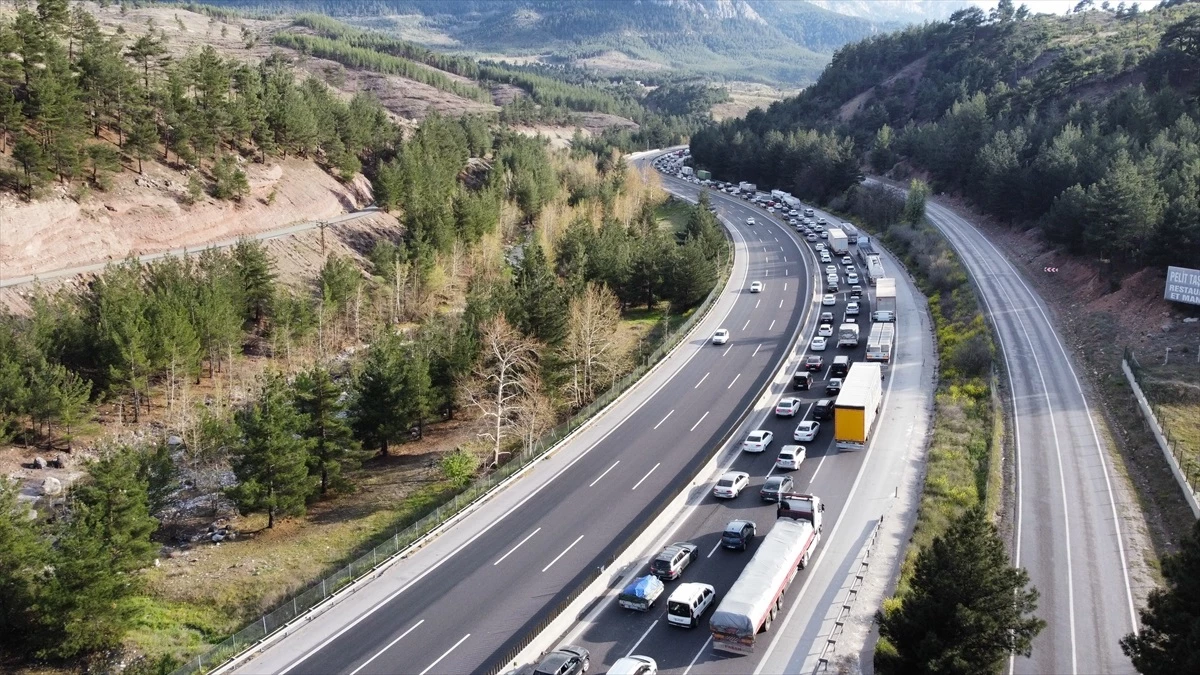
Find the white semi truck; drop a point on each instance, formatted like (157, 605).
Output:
(874, 269)
(885, 295)
(756, 598)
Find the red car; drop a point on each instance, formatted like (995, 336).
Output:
(813, 362)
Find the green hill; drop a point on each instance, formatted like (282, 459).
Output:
(772, 41)
(1086, 125)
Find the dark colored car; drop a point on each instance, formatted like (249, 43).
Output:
(823, 410)
(775, 486)
(841, 366)
(814, 362)
(566, 660)
(669, 564)
(802, 379)
(738, 534)
(833, 386)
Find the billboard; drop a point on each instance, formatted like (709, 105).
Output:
(1183, 285)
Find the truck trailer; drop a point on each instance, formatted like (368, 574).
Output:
(857, 405)
(838, 242)
(792, 202)
(851, 233)
(848, 335)
(874, 269)
(865, 248)
(755, 599)
(703, 175)
(885, 295)
(880, 342)
(687, 171)
(641, 594)
(747, 187)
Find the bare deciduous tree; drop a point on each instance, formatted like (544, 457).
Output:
(592, 346)
(502, 381)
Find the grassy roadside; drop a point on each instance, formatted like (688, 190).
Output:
(962, 468)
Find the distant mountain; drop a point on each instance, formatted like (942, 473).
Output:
(775, 41)
(894, 11)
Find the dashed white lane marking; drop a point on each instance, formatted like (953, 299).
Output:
(698, 421)
(735, 379)
(510, 551)
(639, 642)
(664, 419)
(755, 351)
(392, 643)
(601, 476)
(560, 555)
(456, 644)
(640, 481)
(701, 381)
(747, 325)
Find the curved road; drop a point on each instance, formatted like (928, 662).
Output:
(857, 487)
(1068, 522)
(461, 602)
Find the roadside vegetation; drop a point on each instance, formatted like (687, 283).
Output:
(959, 605)
(1085, 125)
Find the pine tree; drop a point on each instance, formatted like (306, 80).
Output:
(271, 461)
(967, 608)
(541, 307)
(102, 158)
(256, 271)
(377, 396)
(28, 153)
(23, 555)
(142, 142)
(334, 449)
(12, 118)
(690, 275)
(1169, 641)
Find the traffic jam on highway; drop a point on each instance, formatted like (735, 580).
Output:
(722, 576)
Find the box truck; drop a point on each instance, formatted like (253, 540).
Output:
(837, 241)
(747, 187)
(885, 295)
(756, 598)
(857, 406)
(687, 171)
(703, 175)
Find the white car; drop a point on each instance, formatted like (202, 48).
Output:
(825, 330)
(824, 256)
(829, 299)
(756, 287)
(820, 246)
(787, 407)
(790, 457)
(721, 336)
(730, 485)
(851, 309)
(831, 269)
(807, 430)
(634, 664)
(810, 237)
(757, 441)
(770, 209)
(824, 234)
(818, 344)
(847, 260)
(750, 221)
(852, 277)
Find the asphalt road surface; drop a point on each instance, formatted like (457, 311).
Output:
(612, 632)
(460, 609)
(1068, 523)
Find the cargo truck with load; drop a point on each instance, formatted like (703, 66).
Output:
(747, 187)
(837, 241)
(687, 171)
(851, 232)
(857, 406)
(641, 594)
(756, 598)
(703, 175)
(848, 335)
(792, 202)
(880, 342)
(780, 195)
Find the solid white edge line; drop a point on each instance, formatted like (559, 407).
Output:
(644, 477)
(439, 660)
(511, 550)
(664, 419)
(560, 555)
(389, 646)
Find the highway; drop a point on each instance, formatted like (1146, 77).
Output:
(1068, 522)
(611, 632)
(461, 602)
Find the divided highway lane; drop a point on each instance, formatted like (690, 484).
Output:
(465, 612)
(613, 632)
(1068, 525)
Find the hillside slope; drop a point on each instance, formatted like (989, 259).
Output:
(759, 40)
(1085, 125)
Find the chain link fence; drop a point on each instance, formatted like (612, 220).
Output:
(405, 537)
(1185, 457)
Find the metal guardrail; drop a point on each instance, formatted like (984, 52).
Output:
(847, 603)
(404, 538)
(1185, 465)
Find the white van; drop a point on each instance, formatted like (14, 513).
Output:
(688, 602)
